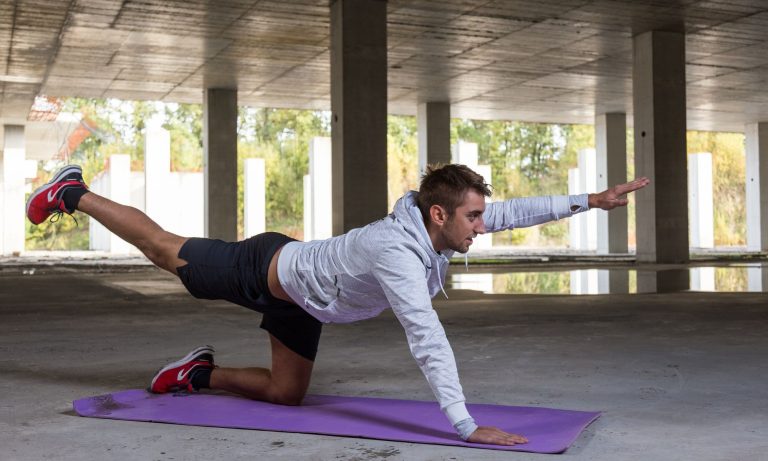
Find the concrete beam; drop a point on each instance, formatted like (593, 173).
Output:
(611, 147)
(220, 163)
(433, 121)
(359, 112)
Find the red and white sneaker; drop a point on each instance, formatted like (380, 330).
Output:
(46, 199)
(176, 376)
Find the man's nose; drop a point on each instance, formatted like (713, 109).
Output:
(480, 226)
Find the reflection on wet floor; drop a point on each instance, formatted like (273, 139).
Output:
(752, 277)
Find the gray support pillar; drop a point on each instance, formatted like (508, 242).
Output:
(12, 211)
(660, 151)
(611, 146)
(433, 121)
(220, 163)
(359, 108)
(757, 186)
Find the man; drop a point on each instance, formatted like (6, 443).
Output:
(398, 262)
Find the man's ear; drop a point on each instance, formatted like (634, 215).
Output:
(438, 215)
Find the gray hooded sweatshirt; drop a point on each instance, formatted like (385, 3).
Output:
(391, 264)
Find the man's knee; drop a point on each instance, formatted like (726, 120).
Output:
(287, 397)
(162, 251)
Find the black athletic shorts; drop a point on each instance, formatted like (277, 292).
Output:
(237, 272)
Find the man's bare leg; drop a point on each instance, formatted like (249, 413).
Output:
(136, 228)
(285, 384)
(288, 380)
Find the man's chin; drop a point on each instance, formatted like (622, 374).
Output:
(461, 250)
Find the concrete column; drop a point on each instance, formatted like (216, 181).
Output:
(483, 241)
(466, 153)
(307, 182)
(433, 121)
(757, 278)
(157, 175)
(220, 163)
(254, 200)
(12, 211)
(318, 210)
(574, 223)
(475, 282)
(583, 227)
(703, 279)
(660, 154)
(584, 282)
(700, 210)
(757, 186)
(611, 147)
(588, 183)
(359, 112)
(613, 281)
(115, 184)
(120, 192)
(320, 166)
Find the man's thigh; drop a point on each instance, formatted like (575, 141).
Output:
(291, 372)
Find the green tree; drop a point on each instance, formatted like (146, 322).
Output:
(402, 157)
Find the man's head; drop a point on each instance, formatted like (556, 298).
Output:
(452, 200)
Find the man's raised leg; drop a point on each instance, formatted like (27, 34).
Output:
(67, 192)
(136, 228)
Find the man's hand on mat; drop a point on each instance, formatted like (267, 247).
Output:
(495, 436)
(614, 197)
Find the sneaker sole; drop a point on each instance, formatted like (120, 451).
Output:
(186, 358)
(62, 173)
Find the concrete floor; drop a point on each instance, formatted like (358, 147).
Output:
(679, 376)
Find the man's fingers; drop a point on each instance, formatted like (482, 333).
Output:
(495, 436)
(632, 186)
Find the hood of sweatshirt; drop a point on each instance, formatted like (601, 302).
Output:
(407, 212)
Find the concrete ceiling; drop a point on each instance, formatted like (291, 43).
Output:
(548, 60)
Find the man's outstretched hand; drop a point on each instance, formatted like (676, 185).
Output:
(614, 197)
(493, 436)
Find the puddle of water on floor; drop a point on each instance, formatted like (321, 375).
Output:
(737, 278)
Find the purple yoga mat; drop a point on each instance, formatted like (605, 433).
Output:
(548, 430)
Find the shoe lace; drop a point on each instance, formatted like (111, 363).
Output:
(56, 217)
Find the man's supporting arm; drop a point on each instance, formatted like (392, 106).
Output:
(401, 275)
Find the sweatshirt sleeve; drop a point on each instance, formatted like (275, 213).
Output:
(530, 211)
(402, 276)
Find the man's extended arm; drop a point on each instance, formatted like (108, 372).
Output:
(530, 211)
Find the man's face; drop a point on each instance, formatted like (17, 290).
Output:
(466, 222)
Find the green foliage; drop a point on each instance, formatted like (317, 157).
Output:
(731, 279)
(184, 123)
(527, 159)
(281, 137)
(532, 282)
(402, 157)
(64, 234)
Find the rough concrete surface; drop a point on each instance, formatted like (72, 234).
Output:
(678, 376)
